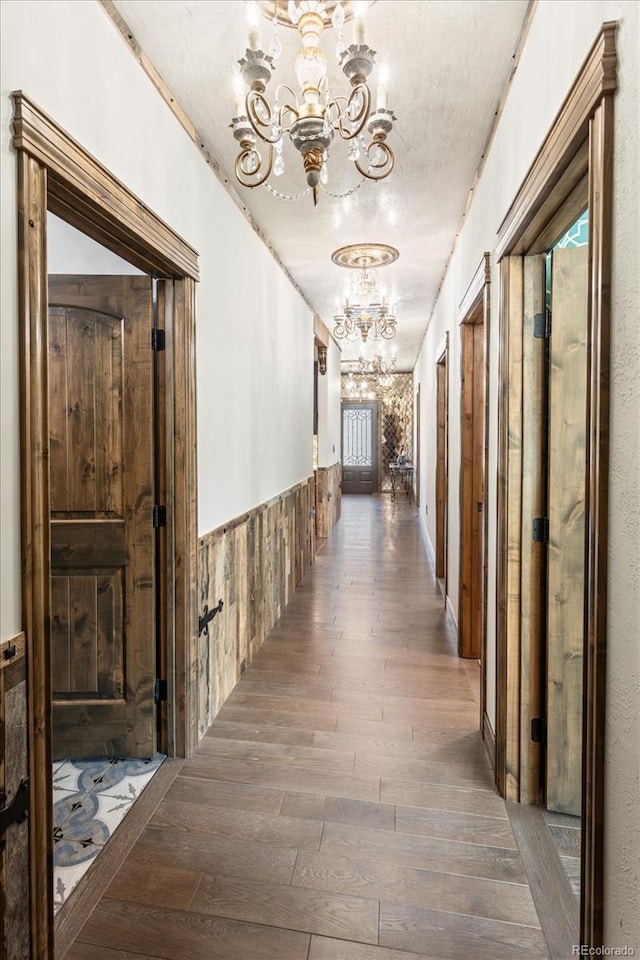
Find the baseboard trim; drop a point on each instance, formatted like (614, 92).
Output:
(555, 902)
(489, 737)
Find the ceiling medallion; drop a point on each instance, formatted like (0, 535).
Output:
(311, 121)
(362, 255)
(365, 311)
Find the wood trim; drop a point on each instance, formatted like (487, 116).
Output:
(19, 641)
(596, 511)
(509, 530)
(255, 511)
(534, 504)
(36, 562)
(474, 293)
(82, 193)
(489, 737)
(570, 128)
(85, 194)
(185, 480)
(485, 518)
(549, 884)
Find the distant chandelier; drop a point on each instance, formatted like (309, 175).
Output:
(376, 365)
(311, 123)
(366, 311)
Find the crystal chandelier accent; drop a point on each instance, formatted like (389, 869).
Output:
(365, 312)
(310, 122)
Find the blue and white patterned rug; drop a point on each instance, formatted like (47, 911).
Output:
(90, 798)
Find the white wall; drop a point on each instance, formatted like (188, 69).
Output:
(559, 39)
(70, 251)
(329, 410)
(254, 332)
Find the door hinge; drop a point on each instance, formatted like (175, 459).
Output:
(541, 530)
(538, 730)
(16, 811)
(160, 691)
(158, 339)
(159, 516)
(542, 324)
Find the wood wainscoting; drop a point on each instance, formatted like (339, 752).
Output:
(328, 498)
(253, 564)
(14, 771)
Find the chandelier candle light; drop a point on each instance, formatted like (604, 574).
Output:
(311, 122)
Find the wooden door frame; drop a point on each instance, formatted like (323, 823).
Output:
(55, 173)
(475, 307)
(442, 464)
(586, 117)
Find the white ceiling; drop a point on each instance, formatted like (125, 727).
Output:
(448, 61)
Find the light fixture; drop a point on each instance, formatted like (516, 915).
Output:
(376, 365)
(311, 122)
(365, 310)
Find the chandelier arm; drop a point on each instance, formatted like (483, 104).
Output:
(243, 176)
(287, 108)
(361, 117)
(258, 123)
(385, 166)
(387, 332)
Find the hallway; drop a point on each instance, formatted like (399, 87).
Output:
(341, 806)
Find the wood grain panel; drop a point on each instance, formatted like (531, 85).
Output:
(452, 825)
(412, 928)
(178, 935)
(494, 900)
(318, 806)
(324, 948)
(225, 855)
(102, 332)
(328, 499)
(253, 564)
(566, 555)
(533, 616)
(293, 908)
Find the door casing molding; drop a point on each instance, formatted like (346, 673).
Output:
(56, 173)
(476, 307)
(586, 117)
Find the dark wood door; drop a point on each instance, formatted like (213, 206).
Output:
(359, 447)
(102, 538)
(471, 600)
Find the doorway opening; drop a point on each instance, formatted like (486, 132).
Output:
(56, 175)
(359, 448)
(551, 621)
(105, 486)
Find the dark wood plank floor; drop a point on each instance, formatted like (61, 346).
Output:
(341, 807)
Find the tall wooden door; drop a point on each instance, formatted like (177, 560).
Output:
(359, 447)
(470, 625)
(567, 466)
(102, 537)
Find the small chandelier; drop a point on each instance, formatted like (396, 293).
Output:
(311, 122)
(376, 365)
(365, 312)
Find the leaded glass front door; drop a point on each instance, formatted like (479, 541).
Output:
(359, 447)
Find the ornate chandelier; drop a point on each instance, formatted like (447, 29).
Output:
(311, 122)
(376, 365)
(365, 312)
